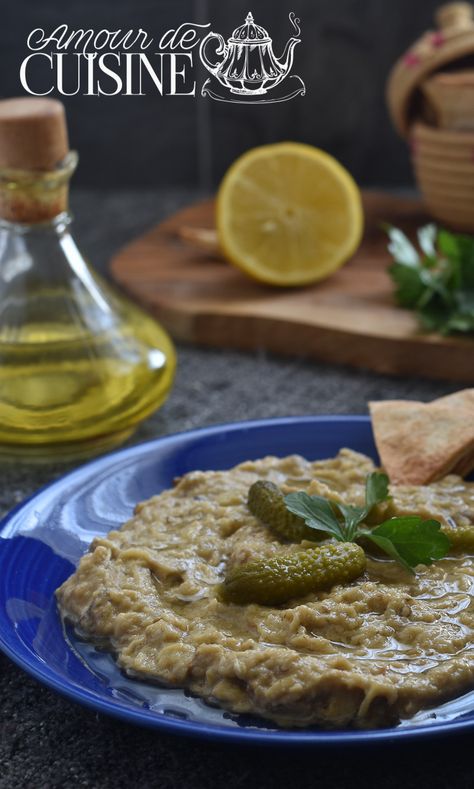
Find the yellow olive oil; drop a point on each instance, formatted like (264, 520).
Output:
(69, 394)
(80, 366)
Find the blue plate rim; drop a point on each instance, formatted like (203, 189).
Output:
(165, 723)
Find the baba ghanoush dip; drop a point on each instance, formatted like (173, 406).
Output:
(365, 654)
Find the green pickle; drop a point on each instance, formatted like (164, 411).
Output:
(267, 503)
(284, 577)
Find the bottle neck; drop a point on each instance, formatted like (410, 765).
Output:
(56, 226)
(29, 198)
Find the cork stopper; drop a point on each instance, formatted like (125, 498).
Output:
(33, 133)
(35, 161)
(455, 16)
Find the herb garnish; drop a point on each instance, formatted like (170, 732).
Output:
(439, 283)
(409, 540)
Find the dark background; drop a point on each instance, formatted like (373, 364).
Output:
(346, 52)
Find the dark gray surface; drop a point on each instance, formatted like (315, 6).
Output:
(46, 741)
(347, 49)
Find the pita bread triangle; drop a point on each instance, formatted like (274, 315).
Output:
(419, 443)
(463, 400)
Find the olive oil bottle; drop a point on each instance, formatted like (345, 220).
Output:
(80, 366)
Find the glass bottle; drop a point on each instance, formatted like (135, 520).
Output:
(80, 366)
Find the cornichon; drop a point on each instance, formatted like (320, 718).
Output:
(283, 577)
(267, 503)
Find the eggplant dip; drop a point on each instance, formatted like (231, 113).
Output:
(206, 588)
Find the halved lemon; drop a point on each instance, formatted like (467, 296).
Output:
(288, 214)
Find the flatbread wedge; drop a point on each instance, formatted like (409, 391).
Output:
(419, 443)
(463, 400)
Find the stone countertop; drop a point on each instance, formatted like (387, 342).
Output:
(47, 741)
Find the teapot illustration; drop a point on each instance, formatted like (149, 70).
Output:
(248, 66)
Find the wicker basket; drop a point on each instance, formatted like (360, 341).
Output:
(431, 100)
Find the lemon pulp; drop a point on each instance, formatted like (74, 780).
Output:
(288, 214)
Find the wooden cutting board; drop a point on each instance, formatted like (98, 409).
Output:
(350, 318)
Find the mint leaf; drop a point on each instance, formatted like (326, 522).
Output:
(352, 517)
(376, 490)
(439, 284)
(465, 302)
(427, 240)
(401, 248)
(316, 511)
(409, 284)
(414, 540)
(466, 260)
(409, 540)
(319, 513)
(388, 547)
(448, 244)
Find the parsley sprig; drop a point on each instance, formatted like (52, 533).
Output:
(409, 540)
(438, 283)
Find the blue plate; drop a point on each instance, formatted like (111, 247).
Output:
(42, 540)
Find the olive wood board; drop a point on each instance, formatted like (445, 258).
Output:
(350, 318)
